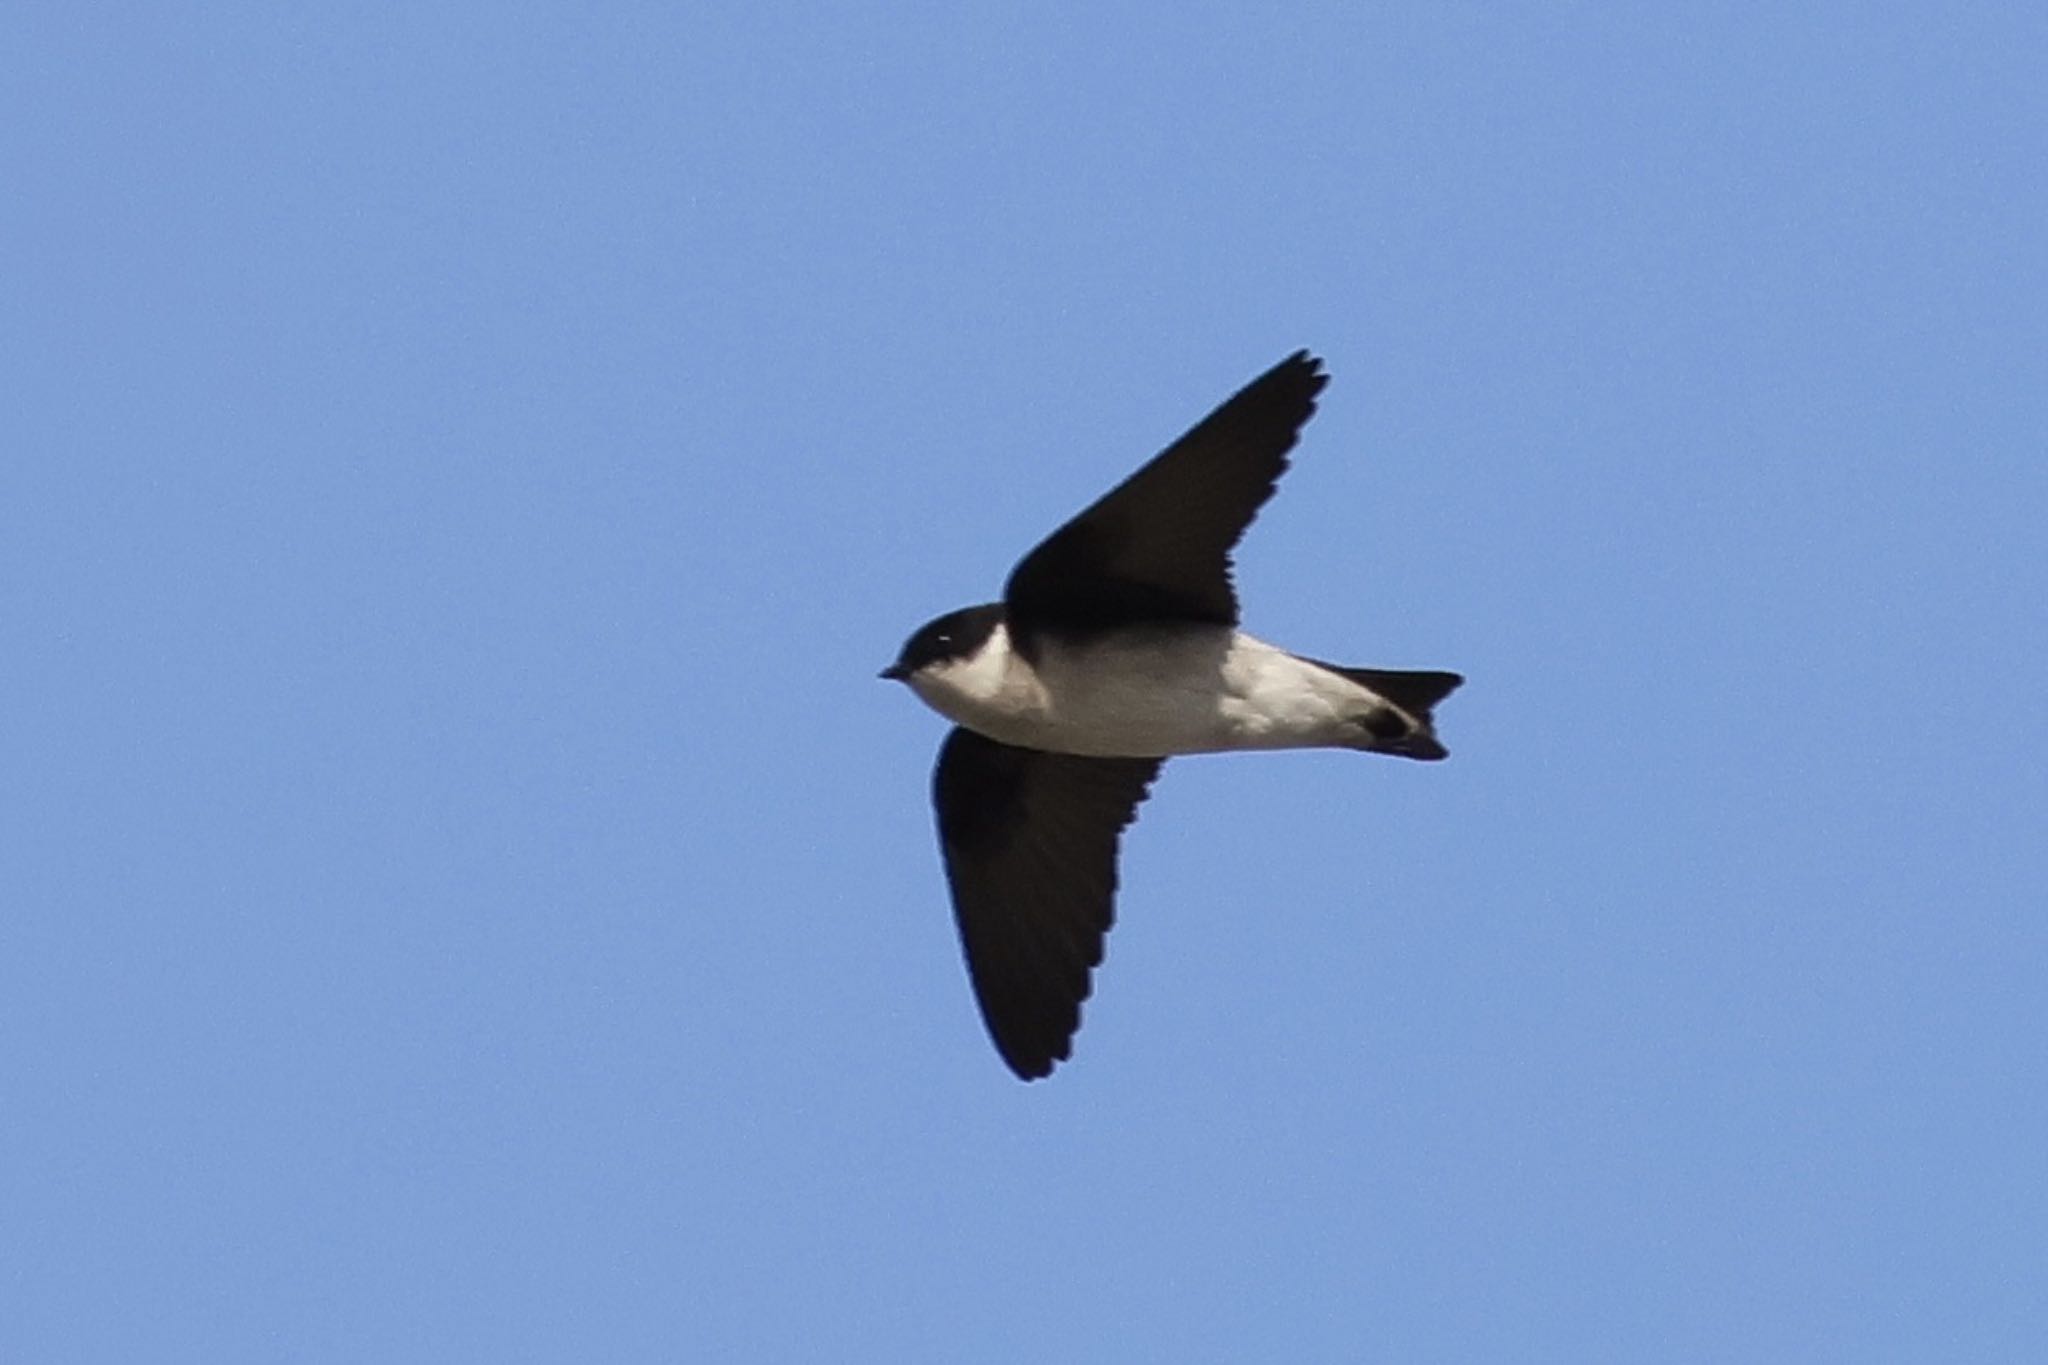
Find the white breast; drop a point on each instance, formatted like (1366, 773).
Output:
(1150, 693)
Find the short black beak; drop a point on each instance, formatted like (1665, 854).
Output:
(894, 673)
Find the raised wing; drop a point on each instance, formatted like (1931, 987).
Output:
(1157, 546)
(1030, 841)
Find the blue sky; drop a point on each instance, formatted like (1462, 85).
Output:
(468, 898)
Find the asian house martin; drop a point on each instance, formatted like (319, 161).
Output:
(1115, 647)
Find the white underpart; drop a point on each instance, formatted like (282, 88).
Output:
(1150, 693)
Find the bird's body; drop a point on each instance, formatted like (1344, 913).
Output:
(1152, 692)
(1115, 647)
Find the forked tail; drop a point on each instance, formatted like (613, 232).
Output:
(1407, 726)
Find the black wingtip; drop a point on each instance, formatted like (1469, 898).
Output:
(1029, 1069)
(1292, 387)
(1031, 1039)
(1303, 367)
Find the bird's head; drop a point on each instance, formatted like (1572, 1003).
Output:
(952, 638)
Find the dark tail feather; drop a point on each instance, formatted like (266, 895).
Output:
(1415, 694)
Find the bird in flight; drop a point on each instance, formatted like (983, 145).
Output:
(1114, 648)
